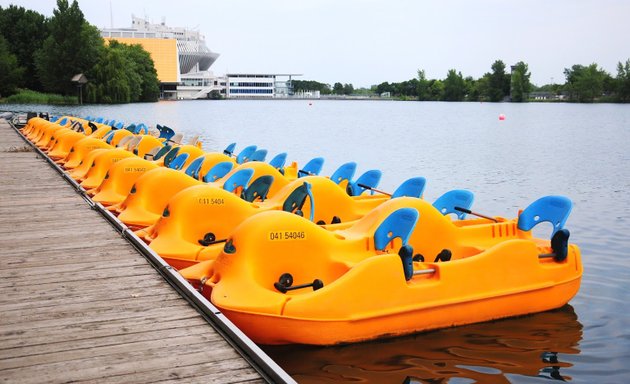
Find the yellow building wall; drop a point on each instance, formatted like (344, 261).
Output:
(164, 55)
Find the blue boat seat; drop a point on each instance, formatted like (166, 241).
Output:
(553, 209)
(229, 150)
(413, 187)
(131, 127)
(141, 129)
(109, 137)
(119, 125)
(245, 155)
(399, 223)
(344, 172)
(218, 171)
(258, 189)
(179, 161)
(193, 168)
(259, 155)
(370, 179)
(279, 160)
(99, 120)
(462, 198)
(168, 158)
(88, 118)
(313, 167)
(165, 132)
(239, 178)
(158, 155)
(63, 121)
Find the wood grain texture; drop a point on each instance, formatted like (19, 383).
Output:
(80, 304)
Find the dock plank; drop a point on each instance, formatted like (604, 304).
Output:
(80, 304)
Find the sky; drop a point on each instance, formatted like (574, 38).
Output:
(367, 42)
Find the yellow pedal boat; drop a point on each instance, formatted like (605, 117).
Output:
(403, 268)
(198, 217)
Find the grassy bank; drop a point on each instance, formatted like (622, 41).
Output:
(26, 96)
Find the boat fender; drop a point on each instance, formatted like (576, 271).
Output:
(445, 255)
(406, 256)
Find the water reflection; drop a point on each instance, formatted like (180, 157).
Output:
(488, 352)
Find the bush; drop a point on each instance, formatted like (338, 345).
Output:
(26, 96)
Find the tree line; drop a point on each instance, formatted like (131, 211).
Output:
(585, 84)
(43, 54)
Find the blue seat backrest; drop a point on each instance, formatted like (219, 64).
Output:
(313, 167)
(218, 171)
(399, 223)
(131, 128)
(413, 187)
(109, 137)
(279, 160)
(99, 120)
(229, 150)
(165, 132)
(239, 178)
(462, 198)
(370, 179)
(168, 158)
(193, 168)
(141, 129)
(179, 161)
(552, 209)
(119, 124)
(344, 172)
(63, 121)
(259, 155)
(163, 151)
(246, 154)
(88, 118)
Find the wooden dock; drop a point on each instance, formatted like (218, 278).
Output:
(78, 303)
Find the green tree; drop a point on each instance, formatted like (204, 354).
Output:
(149, 85)
(10, 72)
(25, 31)
(436, 90)
(384, 87)
(73, 47)
(310, 85)
(584, 84)
(454, 86)
(337, 89)
(521, 86)
(623, 81)
(472, 91)
(422, 89)
(348, 89)
(498, 82)
(124, 73)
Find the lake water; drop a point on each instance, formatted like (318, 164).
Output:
(581, 151)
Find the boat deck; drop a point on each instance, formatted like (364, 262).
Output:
(79, 303)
